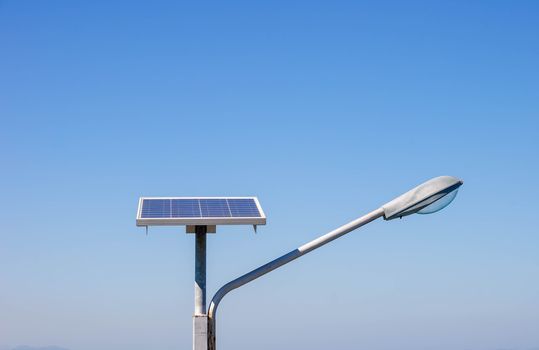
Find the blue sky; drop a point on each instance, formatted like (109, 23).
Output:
(325, 111)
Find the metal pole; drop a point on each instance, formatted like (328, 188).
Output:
(200, 270)
(285, 259)
(200, 319)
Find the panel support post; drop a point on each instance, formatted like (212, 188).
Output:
(200, 332)
(200, 319)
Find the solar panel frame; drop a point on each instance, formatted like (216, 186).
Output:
(181, 221)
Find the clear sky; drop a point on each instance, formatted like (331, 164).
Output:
(325, 111)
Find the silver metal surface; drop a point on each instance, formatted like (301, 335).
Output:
(192, 229)
(272, 265)
(200, 271)
(200, 322)
(200, 332)
(201, 221)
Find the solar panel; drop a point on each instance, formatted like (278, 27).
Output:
(199, 211)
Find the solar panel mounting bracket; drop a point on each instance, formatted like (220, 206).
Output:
(192, 228)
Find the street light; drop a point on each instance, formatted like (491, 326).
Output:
(426, 198)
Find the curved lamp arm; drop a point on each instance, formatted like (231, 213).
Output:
(285, 259)
(413, 201)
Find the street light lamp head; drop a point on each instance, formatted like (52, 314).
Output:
(427, 198)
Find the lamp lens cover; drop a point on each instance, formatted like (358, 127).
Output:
(439, 204)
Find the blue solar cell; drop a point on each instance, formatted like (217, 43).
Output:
(214, 208)
(243, 207)
(156, 208)
(185, 208)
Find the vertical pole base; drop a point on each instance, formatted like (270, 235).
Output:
(200, 332)
(211, 334)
